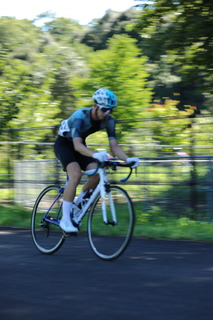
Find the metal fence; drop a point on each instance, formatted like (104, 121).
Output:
(171, 186)
(167, 182)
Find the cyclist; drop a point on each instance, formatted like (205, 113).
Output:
(71, 149)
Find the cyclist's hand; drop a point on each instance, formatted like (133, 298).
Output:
(135, 160)
(100, 156)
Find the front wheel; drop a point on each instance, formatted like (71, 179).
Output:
(109, 240)
(46, 234)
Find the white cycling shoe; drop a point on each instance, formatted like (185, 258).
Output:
(67, 226)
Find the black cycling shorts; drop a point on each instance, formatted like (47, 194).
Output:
(65, 152)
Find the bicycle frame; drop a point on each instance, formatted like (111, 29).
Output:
(56, 222)
(100, 189)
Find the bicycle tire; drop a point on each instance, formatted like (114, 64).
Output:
(109, 241)
(47, 237)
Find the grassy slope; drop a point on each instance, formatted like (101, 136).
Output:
(182, 228)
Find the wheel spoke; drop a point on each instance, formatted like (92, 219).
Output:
(109, 240)
(46, 235)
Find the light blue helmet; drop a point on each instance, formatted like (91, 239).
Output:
(105, 98)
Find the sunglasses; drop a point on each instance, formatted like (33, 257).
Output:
(106, 110)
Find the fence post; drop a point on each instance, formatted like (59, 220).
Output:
(209, 191)
(193, 182)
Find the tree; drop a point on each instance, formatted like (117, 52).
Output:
(9, 99)
(101, 30)
(36, 70)
(18, 42)
(121, 69)
(25, 79)
(65, 30)
(181, 31)
(66, 57)
(169, 125)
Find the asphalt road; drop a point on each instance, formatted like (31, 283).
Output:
(152, 280)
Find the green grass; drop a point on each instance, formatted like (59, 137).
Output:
(182, 228)
(15, 216)
(156, 224)
(148, 226)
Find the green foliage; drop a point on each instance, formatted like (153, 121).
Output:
(18, 43)
(66, 59)
(18, 37)
(45, 73)
(25, 80)
(35, 73)
(122, 71)
(173, 125)
(8, 102)
(65, 30)
(178, 36)
(66, 64)
(163, 228)
(183, 228)
(15, 216)
(101, 30)
(184, 27)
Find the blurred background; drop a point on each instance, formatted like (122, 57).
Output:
(157, 57)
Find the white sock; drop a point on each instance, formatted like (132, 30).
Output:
(66, 207)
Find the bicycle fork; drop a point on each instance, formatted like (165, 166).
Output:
(105, 192)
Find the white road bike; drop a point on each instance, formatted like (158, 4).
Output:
(109, 210)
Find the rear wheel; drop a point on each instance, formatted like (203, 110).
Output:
(109, 240)
(47, 211)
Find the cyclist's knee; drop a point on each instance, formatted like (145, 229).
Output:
(75, 178)
(74, 172)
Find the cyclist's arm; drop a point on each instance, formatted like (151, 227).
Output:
(81, 148)
(116, 150)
